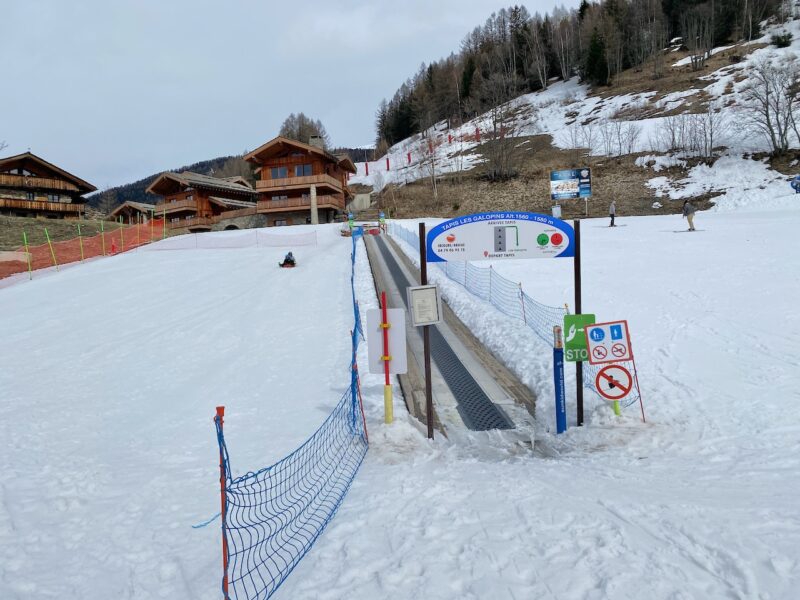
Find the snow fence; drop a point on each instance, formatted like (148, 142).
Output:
(507, 297)
(272, 517)
(117, 239)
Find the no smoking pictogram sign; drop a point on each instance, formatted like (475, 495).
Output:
(619, 350)
(599, 352)
(613, 382)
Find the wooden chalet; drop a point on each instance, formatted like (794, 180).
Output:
(297, 180)
(32, 187)
(133, 212)
(195, 202)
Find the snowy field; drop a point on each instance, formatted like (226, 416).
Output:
(112, 371)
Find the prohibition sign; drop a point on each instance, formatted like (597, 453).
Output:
(599, 352)
(619, 350)
(613, 382)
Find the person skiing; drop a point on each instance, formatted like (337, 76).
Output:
(288, 261)
(612, 212)
(688, 213)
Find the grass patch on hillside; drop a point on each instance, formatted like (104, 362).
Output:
(11, 229)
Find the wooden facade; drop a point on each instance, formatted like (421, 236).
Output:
(288, 170)
(194, 202)
(32, 187)
(133, 212)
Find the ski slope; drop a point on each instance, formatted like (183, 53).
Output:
(112, 369)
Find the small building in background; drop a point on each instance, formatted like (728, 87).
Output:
(197, 202)
(32, 187)
(300, 183)
(133, 212)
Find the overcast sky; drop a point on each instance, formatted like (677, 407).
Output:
(115, 90)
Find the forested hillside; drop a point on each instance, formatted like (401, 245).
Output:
(515, 52)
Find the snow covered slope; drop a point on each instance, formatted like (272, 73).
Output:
(111, 372)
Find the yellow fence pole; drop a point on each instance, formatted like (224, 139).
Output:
(103, 237)
(80, 240)
(121, 235)
(52, 252)
(28, 254)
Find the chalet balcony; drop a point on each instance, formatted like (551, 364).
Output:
(36, 205)
(297, 183)
(177, 206)
(288, 204)
(193, 224)
(36, 183)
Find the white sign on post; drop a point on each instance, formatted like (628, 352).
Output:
(397, 341)
(608, 342)
(425, 305)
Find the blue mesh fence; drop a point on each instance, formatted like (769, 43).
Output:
(507, 297)
(273, 516)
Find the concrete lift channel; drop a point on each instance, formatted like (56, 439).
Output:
(471, 388)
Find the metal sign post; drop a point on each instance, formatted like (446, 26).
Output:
(578, 364)
(426, 340)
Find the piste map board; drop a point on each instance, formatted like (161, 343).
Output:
(500, 235)
(570, 184)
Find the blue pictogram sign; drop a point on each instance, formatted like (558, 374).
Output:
(616, 332)
(598, 335)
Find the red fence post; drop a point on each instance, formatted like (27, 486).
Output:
(220, 416)
(477, 134)
(409, 157)
(449, 139)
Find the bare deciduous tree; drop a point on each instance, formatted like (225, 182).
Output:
(771, 98)
(698, 35)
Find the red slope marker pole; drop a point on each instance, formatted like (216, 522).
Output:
(388, 404)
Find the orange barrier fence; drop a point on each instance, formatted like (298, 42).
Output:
(113, 241)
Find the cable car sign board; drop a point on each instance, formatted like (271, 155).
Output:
(500, 235)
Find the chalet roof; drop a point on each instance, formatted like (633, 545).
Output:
(280, 144)
(29, 161)
(346, 163)
(238, 179)
(140, 206)
(170, 182)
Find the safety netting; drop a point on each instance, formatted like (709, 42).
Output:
(246, 238)
(116, 239)
(273, 516)
(509, 298)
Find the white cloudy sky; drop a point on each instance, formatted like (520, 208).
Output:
(114, 90)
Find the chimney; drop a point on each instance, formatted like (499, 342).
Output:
(316, 140)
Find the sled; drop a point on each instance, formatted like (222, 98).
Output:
(286, 266)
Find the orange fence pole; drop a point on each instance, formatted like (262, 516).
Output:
(220, 416)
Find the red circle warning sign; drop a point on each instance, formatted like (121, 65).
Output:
(614, 382)
(599, 352)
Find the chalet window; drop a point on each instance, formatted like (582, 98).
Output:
(174, 219)
(302, 170)
(53, 198)
(297, 154)
(279, 172)
(189, 197)
(280, 222)
(280, 197)
(30, 196)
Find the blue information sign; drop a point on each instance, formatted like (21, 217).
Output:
(570, 184)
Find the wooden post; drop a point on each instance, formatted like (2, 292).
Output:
(223, 508)
(426, 339)
(578, 365)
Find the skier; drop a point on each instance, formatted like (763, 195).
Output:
(288, 261)
(612, 212)
(688, 212)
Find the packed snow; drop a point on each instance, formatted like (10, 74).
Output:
(113, 369)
